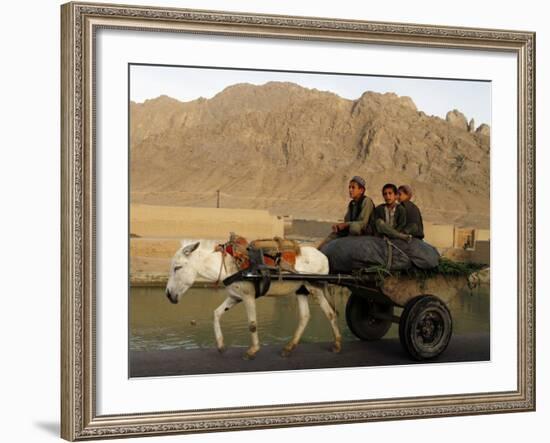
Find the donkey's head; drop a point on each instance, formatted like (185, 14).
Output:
(183, 272)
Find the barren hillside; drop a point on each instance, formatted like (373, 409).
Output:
(292, 150)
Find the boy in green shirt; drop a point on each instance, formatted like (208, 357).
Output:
(357, 220)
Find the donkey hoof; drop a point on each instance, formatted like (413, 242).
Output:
(336, 348)
(221, 349)
(287, 350)
(249, 355)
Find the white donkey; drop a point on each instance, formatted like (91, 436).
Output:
(191, 262)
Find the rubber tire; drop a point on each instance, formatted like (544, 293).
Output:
(360, 321)
(413, 315)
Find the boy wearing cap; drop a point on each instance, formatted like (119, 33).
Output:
(414, 225)
(358, 214)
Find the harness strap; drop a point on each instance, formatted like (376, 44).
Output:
(398, 249)
(390, 254)
(391, 245)
(263, 285)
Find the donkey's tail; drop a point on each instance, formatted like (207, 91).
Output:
(329, 296)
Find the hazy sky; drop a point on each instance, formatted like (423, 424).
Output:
(433, 96)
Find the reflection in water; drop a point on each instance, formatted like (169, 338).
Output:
(156, 324)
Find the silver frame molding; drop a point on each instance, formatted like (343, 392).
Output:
(79, 22)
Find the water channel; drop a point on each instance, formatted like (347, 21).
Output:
(156, 324)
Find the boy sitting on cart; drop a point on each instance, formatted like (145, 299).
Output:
(390, 218)
(357, 220)
(414, 226)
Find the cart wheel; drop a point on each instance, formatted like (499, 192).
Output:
(363, 317)
(425, 327)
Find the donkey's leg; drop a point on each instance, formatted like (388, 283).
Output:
(320, 295)
(226, 305)
(250, 305)
(303, 311)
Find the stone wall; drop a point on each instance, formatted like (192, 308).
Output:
(202, 223)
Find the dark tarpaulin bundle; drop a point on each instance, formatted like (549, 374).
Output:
(352, 253)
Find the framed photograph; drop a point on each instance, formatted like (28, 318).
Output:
(277, 221)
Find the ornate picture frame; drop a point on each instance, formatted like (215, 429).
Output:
(79, 396)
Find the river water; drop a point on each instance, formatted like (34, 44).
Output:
(157, 324)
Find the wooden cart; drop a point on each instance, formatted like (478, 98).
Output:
(425, 324)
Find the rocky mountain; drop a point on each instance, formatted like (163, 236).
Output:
(292, 150)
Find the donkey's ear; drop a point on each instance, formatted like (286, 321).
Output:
(190, 248)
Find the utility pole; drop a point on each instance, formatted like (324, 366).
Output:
(218, 198)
